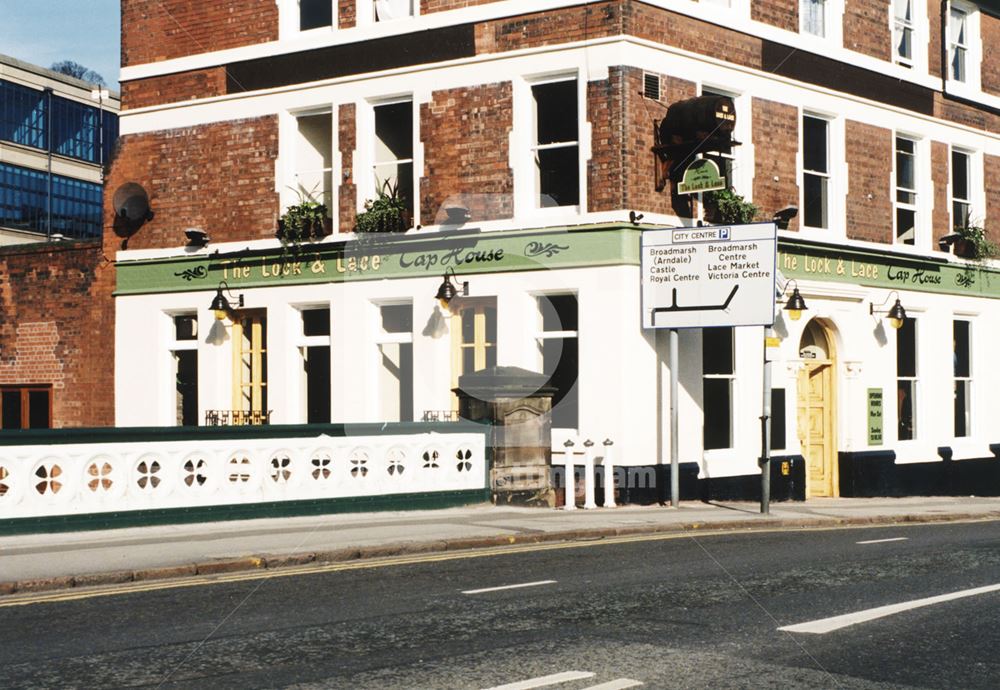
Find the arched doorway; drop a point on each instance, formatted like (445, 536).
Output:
(817, 419)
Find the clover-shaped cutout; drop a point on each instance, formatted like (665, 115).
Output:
(464, 456)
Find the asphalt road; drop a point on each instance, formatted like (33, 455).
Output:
(690, 612)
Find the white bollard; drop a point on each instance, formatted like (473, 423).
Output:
(568, 478)
(589, 492)
(608, 464)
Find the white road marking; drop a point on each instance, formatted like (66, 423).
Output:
(542, 681)
(497, 589)
(882, 541)
(619, 684)
(826, 625)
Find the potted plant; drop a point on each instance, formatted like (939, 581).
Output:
(386, 213)
(972, 243)
(308, 219)
(726, 206)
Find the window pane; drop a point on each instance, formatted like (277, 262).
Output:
(561, 363)
(315, 13)
(814, 144)
(11, 409)
(316, 321)
(906, 405)
(317, 373)
(559, 312)
(38, 410)
(394, 131)
(906, 349)
(186, 362)
(906, 220)
(813, 17)
(777, 418)
(397, 318)
(718, 410)
(959, 175)
(186, 327)
(962, 351)
(491, 324)
(905, 175)
(814, 199)
(555, 112)
(717, 351)
(962, 408)
(559, 176)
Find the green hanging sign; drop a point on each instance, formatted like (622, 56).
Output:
(701, 176)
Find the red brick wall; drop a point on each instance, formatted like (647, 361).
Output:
(428, 6)
(934, 39)
(992, 170)
(202, 83)
(163, 29)
(347, 192)
(347, 14)
(57, 328)
(466, 133)
(549, 28)
(776, 143)
(866, 28)
(990, 31)
(783, 14)
(219, 177)
(605, 172)
(691, 34)
(869, 196)
(940, 176)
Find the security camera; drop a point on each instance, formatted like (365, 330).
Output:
(784, 216)
(196, 237)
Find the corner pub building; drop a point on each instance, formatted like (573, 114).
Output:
(527, 144)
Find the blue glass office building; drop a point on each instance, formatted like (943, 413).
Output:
(53, 149)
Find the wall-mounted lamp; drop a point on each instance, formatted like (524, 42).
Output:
(196, 237)
(783, 217)
(220, 305)
(795, 304)
(447, 292)
(896, 314)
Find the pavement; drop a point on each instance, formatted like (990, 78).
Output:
(39, 562)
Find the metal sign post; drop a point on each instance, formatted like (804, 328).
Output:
(705, 277)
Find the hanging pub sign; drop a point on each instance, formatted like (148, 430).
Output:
(701, 175)
(692, 126)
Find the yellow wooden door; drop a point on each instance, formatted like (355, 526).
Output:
(815, 422)
(250, 367)
(473, 339)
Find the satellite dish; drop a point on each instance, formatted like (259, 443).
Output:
(131, 204)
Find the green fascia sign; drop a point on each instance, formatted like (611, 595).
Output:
(379, 257)
(813, 261)
(701, 176)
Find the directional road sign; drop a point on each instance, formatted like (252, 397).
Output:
(709, 276)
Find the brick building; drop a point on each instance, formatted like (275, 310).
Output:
(56, 135)
(519, 137)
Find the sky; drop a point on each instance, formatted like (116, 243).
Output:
(47, 31)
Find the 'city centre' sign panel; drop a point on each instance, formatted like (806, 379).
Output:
(708, 276)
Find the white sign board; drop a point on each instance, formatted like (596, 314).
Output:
(709, 276)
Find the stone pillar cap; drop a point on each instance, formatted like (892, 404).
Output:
(504, 382)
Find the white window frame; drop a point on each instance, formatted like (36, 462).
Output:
(175, 345)
(902, 25)
(914, 384)
(367, 187)
(919, 190)
(541, 335)
(371, 10)
(288, 20)
(303, 341)
(970, 177)
(522, 143)
(967, 380)
(286, 165)
(382, 337)
(973, 47)
(827, 176)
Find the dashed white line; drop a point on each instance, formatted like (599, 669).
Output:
(825, 625)
(882, 541)
(542, 681)
(518, 586)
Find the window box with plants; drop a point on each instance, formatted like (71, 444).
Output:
(306, 220)
(972, 243)
(387, 212)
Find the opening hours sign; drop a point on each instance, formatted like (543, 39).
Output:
(709, 276)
